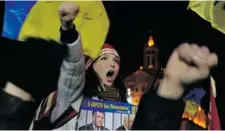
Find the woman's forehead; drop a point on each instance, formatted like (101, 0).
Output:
(109, 55)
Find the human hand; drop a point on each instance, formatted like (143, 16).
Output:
(67, 14)
(188, 64)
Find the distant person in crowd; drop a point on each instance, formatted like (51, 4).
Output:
(127, 123)
(163, 109)
(97, 122)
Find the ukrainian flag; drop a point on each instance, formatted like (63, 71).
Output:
(211, 11)
(40, 19)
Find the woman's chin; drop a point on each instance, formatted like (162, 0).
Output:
(107, 83)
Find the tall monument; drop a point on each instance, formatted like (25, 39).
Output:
(141, 80)
(150, 59)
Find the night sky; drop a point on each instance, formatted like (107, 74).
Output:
(171, 25)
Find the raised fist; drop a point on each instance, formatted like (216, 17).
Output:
(67, 13)
(190, 63)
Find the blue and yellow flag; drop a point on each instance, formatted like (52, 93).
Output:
(40, 19)
(211, 11)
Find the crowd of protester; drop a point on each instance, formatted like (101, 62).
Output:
(60, 73)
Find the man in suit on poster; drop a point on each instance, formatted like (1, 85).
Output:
(97, 122)
(127, 124)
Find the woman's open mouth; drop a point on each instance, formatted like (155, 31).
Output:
(110, 73)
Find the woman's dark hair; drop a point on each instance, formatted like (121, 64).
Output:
(92, 82)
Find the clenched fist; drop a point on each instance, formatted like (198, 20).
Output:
(67, 13)
(188, 64)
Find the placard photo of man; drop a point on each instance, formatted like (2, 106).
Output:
(97, 122)
(127, 123)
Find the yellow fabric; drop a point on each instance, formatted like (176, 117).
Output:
(191, 107)
(211, 11)
(92, 23)
(202, 8)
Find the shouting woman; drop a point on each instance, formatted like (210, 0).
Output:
(96, 79)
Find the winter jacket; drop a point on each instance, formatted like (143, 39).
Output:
(157, 113)
(70, 86)
(15, 114)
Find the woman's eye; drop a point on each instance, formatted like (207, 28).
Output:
(117, 61)
(103, 58)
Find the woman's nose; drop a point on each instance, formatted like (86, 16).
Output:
(112, 65)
